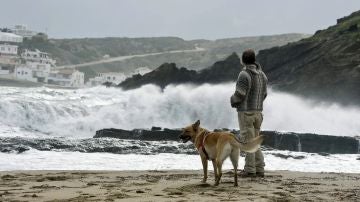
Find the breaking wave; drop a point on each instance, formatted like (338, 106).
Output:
(79, 113)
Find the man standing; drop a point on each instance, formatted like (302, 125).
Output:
(248, 100)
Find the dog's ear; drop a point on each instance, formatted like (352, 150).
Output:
(196, 125)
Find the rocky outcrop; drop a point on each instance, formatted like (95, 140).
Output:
(286, 156)
(164, 75)
(168, 73)
(90, 145)
(157, 140)
(140, 134)
(325, 66)
(312, 143)
(304, 142)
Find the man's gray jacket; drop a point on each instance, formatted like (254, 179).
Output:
(251, 89)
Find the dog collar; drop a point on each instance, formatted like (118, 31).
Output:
(202, 147)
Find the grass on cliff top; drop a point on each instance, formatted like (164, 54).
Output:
(342, 29)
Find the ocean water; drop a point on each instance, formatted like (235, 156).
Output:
(52, 160)
(73, 116)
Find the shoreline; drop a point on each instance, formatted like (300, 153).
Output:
(175, 185)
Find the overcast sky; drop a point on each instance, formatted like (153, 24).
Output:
(189, 19)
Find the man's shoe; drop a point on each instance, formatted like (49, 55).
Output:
(245, 174)
(260, 174)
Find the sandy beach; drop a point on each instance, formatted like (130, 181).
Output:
(175, 186)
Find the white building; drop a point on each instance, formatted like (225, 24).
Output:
(5, 73)
(23, 31)
(37, 57)
(8, 54)
(39, 63)
(66, 77)
(24, 73)
(113, 77)
(8, 50)
(10, 37)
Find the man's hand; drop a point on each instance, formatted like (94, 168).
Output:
(236, 99)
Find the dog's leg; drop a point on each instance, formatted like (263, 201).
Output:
(205, 168)
(219, 168)
(215, 169)
(234, 157)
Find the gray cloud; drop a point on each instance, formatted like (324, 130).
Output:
(189, 19)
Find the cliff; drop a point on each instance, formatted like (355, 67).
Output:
(325, 66)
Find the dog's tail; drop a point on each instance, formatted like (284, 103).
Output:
(253, 145)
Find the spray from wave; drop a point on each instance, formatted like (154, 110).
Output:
(79, 113)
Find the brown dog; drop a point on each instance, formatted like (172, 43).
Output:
(217, 146)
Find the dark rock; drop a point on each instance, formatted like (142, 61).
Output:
(141, 134)
(154, 128)
(6, 150)
(168, 73)
(284, 156)
(110, 145)
(323, 154)
(112, 132)
(108, 84)
(164, 75)
(14, 148)
(311, 143)
(140, 141)
(281, 141)
(304, 142)
(22, 149)
(298, 157)
(358, 158)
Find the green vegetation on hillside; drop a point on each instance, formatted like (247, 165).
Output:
(215, 51)
(77, 51)
(347, 26)
(325, 66)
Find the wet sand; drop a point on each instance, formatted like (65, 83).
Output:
(175, 186)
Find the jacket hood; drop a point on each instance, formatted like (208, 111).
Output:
(255, 68)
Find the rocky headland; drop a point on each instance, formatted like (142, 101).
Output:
(169, 73)
(325, 66)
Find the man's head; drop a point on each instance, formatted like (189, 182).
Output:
(190, 132)
(248, 57)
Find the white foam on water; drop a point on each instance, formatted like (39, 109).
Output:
(51, 160)
(79, 113)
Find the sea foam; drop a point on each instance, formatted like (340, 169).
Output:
(79, 113)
